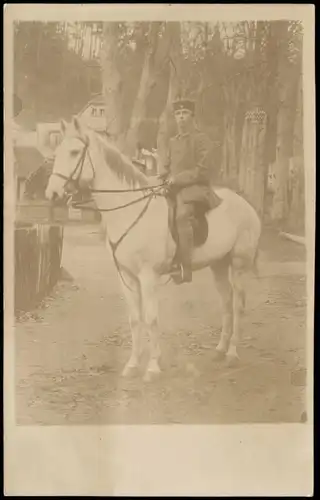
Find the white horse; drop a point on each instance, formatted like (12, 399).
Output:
(141, 242)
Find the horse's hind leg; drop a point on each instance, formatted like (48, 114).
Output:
(221, 275)
(238, 273)
(133, 299)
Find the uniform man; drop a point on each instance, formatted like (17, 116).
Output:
(187, 170)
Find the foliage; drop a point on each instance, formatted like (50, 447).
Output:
(49, 77)
(228, 68)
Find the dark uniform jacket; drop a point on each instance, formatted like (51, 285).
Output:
(188, 164)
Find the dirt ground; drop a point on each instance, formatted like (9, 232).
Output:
(71, 350)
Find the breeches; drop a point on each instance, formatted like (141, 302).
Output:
(184, 213)
(184, 219)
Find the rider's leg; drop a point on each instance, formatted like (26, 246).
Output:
(185, 214)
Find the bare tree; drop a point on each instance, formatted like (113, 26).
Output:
(112, 81)
(280, 200)
(148, 79)
(173, 33)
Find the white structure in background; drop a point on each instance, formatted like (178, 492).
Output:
(151, 160)
(24, 138)
(93, 114)
(147, 161)
(48, 135)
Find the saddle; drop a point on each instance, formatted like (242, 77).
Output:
(200, 222)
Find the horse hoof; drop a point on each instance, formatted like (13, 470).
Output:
(150, 376)
(218, 355)
(129, 371)
(233, 361)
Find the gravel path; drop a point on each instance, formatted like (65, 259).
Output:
(71, 350)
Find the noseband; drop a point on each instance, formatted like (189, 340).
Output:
(149, 193)
(75, 175)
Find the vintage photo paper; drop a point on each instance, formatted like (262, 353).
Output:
(159, 223)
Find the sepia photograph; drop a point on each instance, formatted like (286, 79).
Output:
(161, 209)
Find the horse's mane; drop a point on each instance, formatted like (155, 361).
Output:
(120, 165)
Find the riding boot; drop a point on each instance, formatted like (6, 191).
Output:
(185, 253)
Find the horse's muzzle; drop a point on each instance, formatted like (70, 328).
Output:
(55, 188)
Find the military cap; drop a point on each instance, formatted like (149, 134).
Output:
(184, 104)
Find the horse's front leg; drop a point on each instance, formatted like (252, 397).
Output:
(148, 282)
(132, 294)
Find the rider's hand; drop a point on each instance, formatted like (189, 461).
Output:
(162, 176)
(170, 181)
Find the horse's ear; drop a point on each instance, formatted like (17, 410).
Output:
(63, 124)
(77, 125)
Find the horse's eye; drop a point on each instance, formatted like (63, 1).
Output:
(74, 153)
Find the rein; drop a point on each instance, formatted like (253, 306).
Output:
(153, 189)
(153, 192)
(114, 244)
(145, 188)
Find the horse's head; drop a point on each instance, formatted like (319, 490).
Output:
(72, 168)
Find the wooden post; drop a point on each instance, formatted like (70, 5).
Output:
(251, 175)
(259, 119)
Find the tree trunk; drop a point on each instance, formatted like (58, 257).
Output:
(245, 156)
(280, 200)
(271, 108)
(166, 123)
(112, 83)
(147, 82)
(229, 162)
(255, 177)
(297, 208)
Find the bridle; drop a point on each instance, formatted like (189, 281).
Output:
(150, 193)
(73, 178)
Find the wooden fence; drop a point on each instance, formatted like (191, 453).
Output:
(38, 246)
(38, 250)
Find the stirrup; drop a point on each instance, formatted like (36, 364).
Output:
(178, 275)
(183, 275)
(176, 269)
